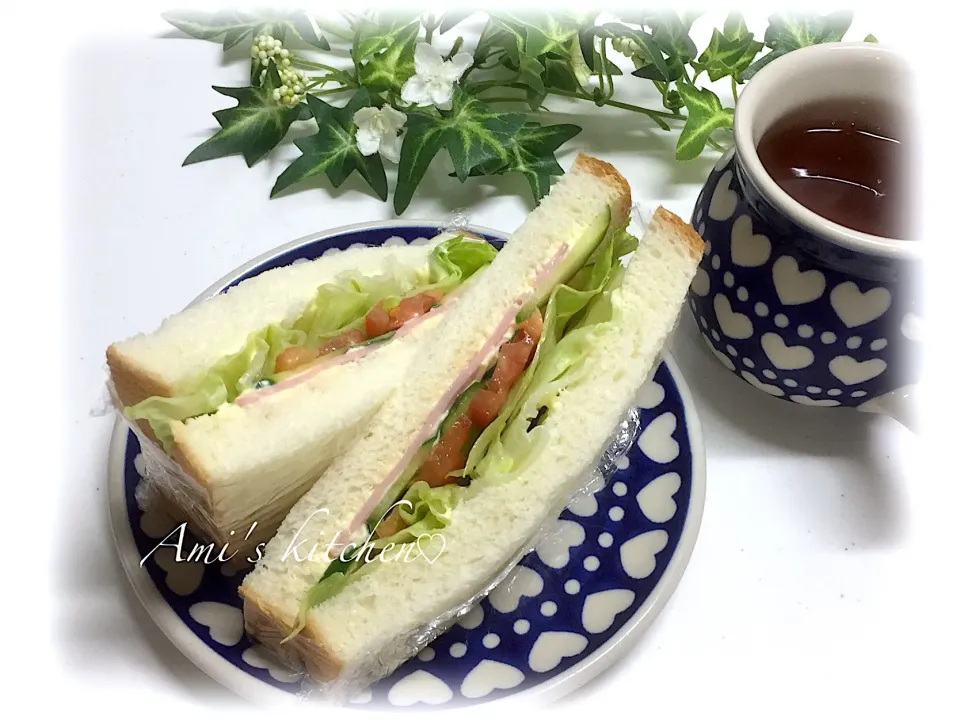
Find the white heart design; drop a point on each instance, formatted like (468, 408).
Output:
(584, 505)
(225, 622)
(656, 498)
(552, 647)
(912, 327)
(783, 356)
(259, 658)
(656, 441)
(140, 465)
(472, 618)
(850, 371)
(769, 389)
(554, 549)
(701, 283)
(362, 698)
(804, 400)
(724, 200)
(490, 675)
(183, 578)
(732, 324)
(795, 287)
(419, 686)
(638, 556)
(855, 308)
(431, 546)
(727, 362)
(602, 608)
(520, 583)
(156, 524)
(747, 249)
(650, 395)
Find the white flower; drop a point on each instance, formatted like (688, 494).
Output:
(378, 129)
(435, 78)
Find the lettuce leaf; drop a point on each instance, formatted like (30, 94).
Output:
(337, 307)
(425, 510)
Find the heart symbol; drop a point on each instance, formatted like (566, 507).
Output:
(732, 324)
(804, 400)
(639, 555)
(419, 686)
(651, 394)
(554, 549)
(602, 608)
(724, 200)
(747, 249)
(257, 657)
(701, 283)
(753, 380)
(552, 647)
(183, 578)
(224, 621)
(520, 583)
(855, 308)
(795, 287)
(656, 441)
(490, 675)
(783, 356)
(656, 498)
(430, 546)
(850, 371)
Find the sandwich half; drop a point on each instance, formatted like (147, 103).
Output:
(248, 395)
(478, 452)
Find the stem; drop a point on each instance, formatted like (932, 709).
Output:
(656, 115)
(504, 99)
(330, 91)
(733, 86)
(310, 65)
(715, 145)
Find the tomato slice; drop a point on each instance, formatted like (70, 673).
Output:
(412, 307)
(377, 321)
(485, 406)
(293, 357)
(391, 524)
(341, 341)
(447, 455)
(533, 326)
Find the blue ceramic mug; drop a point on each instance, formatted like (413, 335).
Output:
(797, 306)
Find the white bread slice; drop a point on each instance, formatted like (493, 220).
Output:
(373, 625)
(279, 582)
(252, 463)
(166, 361)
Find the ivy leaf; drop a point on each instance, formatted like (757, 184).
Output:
(672, 35)
(558, 74)
(231, 27)
(500, 35)
(531, 152)
(787, 32)
(646, 42)
(871, 38)
(725, 56)
(472, 133)
(651, 72)
(704, 115)
(253, 128)
(453, 18)
(333, 149)
(545, 33)
(372, 37)
(735, 28)
(388, 71)
(530, 73)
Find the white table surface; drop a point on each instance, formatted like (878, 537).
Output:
(802, 591)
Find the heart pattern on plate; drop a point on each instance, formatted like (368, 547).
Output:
(639, 555)
(656, 499)
(656, 440)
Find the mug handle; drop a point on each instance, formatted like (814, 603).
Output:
(900, 404)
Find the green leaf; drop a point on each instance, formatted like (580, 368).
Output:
(704, 115)
(724, 56)
(232, 27)
(672, 35)
(530, 152)
(454, 18)
(388, 71)
(370, 37)
(333, 149)
(651, 72)
(650, 48)
(734, 27)
(253, 128)
(791, 31)
(761, 63)
(530, 73)
(871, 38)
(545, 32)
(559, 75)
(472, 133)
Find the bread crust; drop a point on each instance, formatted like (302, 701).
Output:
(690, 237)
(610, 175)
(304, 651)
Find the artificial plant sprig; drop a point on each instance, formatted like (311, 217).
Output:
(402, 101)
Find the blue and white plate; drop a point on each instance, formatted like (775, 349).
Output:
(565, 613)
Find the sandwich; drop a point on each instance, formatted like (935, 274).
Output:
(498, 423)
(244, 398)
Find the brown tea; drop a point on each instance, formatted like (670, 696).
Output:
(844, 160)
